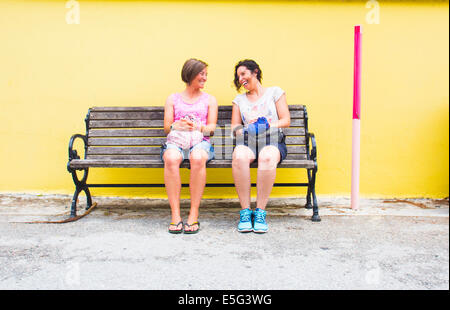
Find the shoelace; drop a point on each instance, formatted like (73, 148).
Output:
(260, 217)
(245, 217)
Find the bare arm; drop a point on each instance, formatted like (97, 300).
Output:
(236, 120)
(168, 114)
(168, 119)
(211, 122)
(284, 116)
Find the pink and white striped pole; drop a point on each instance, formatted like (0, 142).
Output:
(356, 134)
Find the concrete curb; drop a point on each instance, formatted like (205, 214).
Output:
(16, 207)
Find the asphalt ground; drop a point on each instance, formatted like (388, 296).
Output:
(124, 244)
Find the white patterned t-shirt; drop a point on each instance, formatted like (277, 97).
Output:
(264, 106)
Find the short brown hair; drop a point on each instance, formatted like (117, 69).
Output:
(191, 68)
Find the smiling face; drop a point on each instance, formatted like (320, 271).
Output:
(248, 74)
(247, 78)
(194, 73)
(200, 79)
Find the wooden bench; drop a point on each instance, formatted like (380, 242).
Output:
(130, 137)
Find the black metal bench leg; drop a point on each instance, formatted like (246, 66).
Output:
(80, 185)
(308, 204)
(88, 198)
(73, 208)
(315, 217)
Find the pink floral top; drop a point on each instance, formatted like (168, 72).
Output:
(197, 111)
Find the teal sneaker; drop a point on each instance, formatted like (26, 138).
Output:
(245, 221)
(260, 225)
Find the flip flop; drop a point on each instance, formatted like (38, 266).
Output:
(176, 231)
(191, 232)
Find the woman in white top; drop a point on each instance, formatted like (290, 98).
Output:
(267, 107)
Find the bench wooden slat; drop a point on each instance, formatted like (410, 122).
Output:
(85, 163)
(145, 115)
(157, 157)
(294, 114)
(159, 141)
(227, 140)
(291, 131)
(295, 107)
(158, 123)
(296, 156)
(126, 141)
(148, 150)
(292, 163)
(229, 155)
(296, 149)
(158, 132)
(123, 150)
(131, 109)
(127, 115)
(292, 149)
(124, 157)
(126, 124)
(155, 115)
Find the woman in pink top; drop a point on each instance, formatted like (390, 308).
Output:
(186, 112)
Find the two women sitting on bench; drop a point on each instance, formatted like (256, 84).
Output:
(257, 118)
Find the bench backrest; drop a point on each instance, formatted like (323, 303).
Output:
(137, 133)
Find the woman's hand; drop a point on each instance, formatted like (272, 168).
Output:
(236, 121)
(239, 132)
(183, 125)
(200, 127)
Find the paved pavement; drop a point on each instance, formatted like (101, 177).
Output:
(124, 244)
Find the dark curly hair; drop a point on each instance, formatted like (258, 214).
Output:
(250, 65)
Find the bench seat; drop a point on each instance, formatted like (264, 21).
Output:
(156, 163)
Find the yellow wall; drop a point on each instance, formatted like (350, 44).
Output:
(131, 53)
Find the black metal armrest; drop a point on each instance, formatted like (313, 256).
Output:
(73, 153)
(313, 152)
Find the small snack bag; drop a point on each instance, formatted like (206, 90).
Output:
(186, 139)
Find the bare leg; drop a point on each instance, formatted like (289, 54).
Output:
(242, 158)
(197, 182)
(172, 179)
(268, 159)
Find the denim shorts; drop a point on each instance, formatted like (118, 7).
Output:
(258, 143)
(204, 145)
